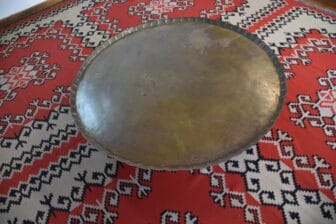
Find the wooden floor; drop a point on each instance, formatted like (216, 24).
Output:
(30, 11)
(326, 4)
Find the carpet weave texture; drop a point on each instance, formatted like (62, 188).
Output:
(50, 174)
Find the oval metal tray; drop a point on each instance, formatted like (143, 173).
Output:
(178, 93)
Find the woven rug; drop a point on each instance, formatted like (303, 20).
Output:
(50, 174)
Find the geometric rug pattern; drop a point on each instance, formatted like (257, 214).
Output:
(49, 173)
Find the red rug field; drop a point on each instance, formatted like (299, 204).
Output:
(50, 174)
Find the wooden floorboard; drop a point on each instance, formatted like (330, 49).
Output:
(326, 4)
(28, 12)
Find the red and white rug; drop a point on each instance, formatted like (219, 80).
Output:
(50, 174)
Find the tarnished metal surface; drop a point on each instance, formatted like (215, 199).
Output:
(179, 95)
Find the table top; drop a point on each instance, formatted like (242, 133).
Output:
(178, 94)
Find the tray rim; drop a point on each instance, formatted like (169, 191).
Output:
(254, 38)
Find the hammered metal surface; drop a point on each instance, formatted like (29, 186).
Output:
(178, 95)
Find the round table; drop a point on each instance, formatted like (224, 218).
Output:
(178, 94)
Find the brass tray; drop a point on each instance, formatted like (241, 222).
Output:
(178, 93)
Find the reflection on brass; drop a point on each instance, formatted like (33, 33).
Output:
(182, 93)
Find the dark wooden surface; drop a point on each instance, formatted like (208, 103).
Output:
(30, 11)
(327, 4)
